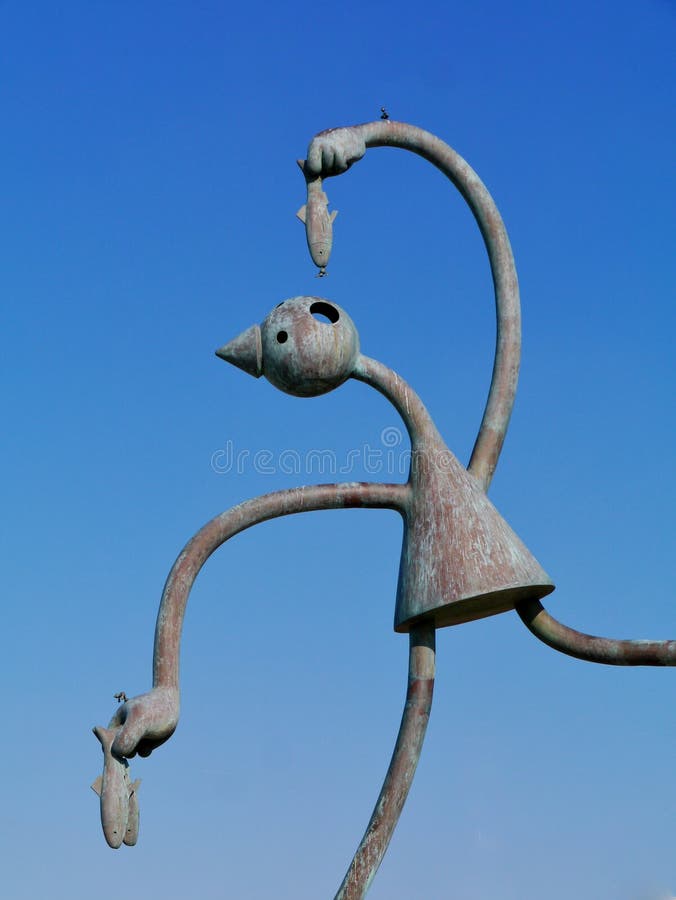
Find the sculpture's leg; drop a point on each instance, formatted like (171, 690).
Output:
(402, 766)
(593, 649)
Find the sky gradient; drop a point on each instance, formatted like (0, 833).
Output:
(148, 217)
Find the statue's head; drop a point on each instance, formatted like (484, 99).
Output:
(306, 347)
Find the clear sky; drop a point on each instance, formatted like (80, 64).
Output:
(147, 216)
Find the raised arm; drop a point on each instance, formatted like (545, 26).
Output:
(334, 151)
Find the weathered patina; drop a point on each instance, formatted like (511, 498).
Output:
(460, 560)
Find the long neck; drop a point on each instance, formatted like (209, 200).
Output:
(421, 429)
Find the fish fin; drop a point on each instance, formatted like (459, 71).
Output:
(301, 163)
(333, 214)
(301, 213)
(96, 787)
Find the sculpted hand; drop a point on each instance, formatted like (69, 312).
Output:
(333, 152)
(145, 722)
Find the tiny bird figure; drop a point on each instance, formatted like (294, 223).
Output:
(384, 113)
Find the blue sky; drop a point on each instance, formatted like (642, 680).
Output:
(148, 216)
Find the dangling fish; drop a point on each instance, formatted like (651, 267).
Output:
(119, 801)
(318, 222)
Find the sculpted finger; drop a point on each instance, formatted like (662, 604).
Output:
(340, 163)
(328, 156)
(334, 152)
(147, 745)
(355, 148)
(313, 163)
(129, 735)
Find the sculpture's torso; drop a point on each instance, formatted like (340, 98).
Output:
(460, 560)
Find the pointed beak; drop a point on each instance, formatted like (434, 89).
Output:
(245, 352)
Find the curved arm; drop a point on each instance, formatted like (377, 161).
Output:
(239, 518)
(145, 722)
(332, 151)
(593, 649)
(369, 855)
(167, 643)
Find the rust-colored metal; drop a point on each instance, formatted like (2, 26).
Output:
(393, 794)
(145, 722)
(460, 560)
(350, 495)
(609, 651)
(118, 796)
(333, 151)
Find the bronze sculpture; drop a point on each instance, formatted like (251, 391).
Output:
(460, 560)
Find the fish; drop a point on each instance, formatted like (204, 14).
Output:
(119, 803)
(318, 221)
(131, 831)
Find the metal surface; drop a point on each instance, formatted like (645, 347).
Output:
(608, 651)
(460, 560)
(118, 796)
(421, 663)
(333, 151)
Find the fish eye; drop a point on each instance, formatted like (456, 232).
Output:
(282, 337)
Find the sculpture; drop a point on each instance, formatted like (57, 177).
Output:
(460, 560)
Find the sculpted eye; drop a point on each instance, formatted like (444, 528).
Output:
(324, 311)
(282, 337)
